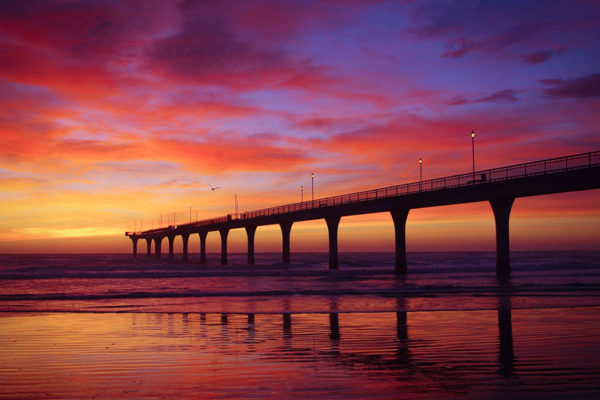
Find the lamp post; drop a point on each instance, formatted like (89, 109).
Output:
(420, 172)
(473, 151)
(236, 206)
(301, 194)
(312, 179)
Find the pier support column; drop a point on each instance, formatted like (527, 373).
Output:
(250, 231)
(171, 241)
(399, 215)
(185, 237)
(224, 233)
(286, 228)
(134, 240)
(202, 247)
(157, 244)
(148, 247)
(332, 227)
(501, 208)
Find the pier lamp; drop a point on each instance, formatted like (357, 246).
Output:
(420, 169)
(312, 180)
(301, 194)
(473, 151)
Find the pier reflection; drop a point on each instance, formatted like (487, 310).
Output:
(399, 354)
(334, 322)
(506, 355)
(403, 350)
(334, 326)
(402, 343)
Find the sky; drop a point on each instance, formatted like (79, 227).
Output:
(117, 114)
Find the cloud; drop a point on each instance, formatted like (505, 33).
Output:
(25, 65)
(462, 46)
(508, 96)
(578, 88)
(488, 27)
(209, 49)
(529, 133)
(228, 155)
(203, 152)
(19, 184)
(100, 30)
(539, 57)
(502, 96)
(457, 101)
(206, 50)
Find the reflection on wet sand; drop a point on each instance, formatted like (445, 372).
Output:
(403, 351)
(287, 325)
(506, 352)
(371, 356)
(320, 354)
(334, 322)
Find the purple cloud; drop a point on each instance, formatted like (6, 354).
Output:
(462, 46)
(457, 101)
(578, 88)
(211, 48)
(540, 56)
(502, 96)
(487, 27)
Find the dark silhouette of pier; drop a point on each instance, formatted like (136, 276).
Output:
(498, 186)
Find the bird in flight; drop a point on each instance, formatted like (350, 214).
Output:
(214, 188)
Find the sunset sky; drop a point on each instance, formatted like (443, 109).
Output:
(114, 113)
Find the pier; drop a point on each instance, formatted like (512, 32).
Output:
(498, 186)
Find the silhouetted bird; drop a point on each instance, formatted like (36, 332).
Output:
(214, 188)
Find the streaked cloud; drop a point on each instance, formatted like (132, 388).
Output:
(578, 88)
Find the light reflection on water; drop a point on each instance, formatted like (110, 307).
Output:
(443, 354)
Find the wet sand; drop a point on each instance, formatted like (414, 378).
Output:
(521, 354)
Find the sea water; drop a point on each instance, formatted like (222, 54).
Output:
(114, 326)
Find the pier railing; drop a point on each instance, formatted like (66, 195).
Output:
(552, 165)
(535, 168)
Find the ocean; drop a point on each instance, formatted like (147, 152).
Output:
(113, 326)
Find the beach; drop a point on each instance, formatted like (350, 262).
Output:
(120, 327)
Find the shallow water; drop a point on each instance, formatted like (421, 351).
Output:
(365, 282)
(110, 326)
